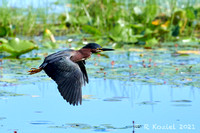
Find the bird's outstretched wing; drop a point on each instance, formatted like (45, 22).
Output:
(56, 57)
(69, 78)
(82, 67)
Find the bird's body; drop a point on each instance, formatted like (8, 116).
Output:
(67, 69)
(68, 72)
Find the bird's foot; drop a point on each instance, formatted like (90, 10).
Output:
(34, 70)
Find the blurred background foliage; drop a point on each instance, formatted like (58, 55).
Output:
(119, 23)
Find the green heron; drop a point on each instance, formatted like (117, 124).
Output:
(67, 69)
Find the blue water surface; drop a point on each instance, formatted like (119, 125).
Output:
(112, 102)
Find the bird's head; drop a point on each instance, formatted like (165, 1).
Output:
(95, 48)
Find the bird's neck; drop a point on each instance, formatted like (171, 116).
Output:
(81, 54)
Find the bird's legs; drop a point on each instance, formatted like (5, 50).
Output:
(35, 70)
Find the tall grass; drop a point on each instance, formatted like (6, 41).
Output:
(23, 21)
(102, 16)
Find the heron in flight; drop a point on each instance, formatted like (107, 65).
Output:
(67, 69)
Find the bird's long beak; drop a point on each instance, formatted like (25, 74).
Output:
(107, 49)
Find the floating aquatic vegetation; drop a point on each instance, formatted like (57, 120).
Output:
(148, 102)
(6, 93)
(3, 40)
(187, 52)
(17, 47)
(156, 67)
(88, 97)
(79, 125)
(99, 128)
(112, 99)
(183, 101)
(8, 80)
(160, 67)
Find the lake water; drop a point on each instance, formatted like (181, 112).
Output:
(157, 90)
(111, 103)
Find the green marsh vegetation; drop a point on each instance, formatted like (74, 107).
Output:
(145, 23)
(120, 24)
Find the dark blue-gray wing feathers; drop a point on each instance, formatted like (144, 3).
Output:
(56, 57)
(69, 76)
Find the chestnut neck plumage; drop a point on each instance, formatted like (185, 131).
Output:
(81, 54)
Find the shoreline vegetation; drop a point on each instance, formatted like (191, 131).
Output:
(121, 24)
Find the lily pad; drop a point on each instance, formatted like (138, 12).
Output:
(3, 40)
(17, 47)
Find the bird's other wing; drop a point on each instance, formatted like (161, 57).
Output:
(69, 78)
(56, 56)
(83, 69)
